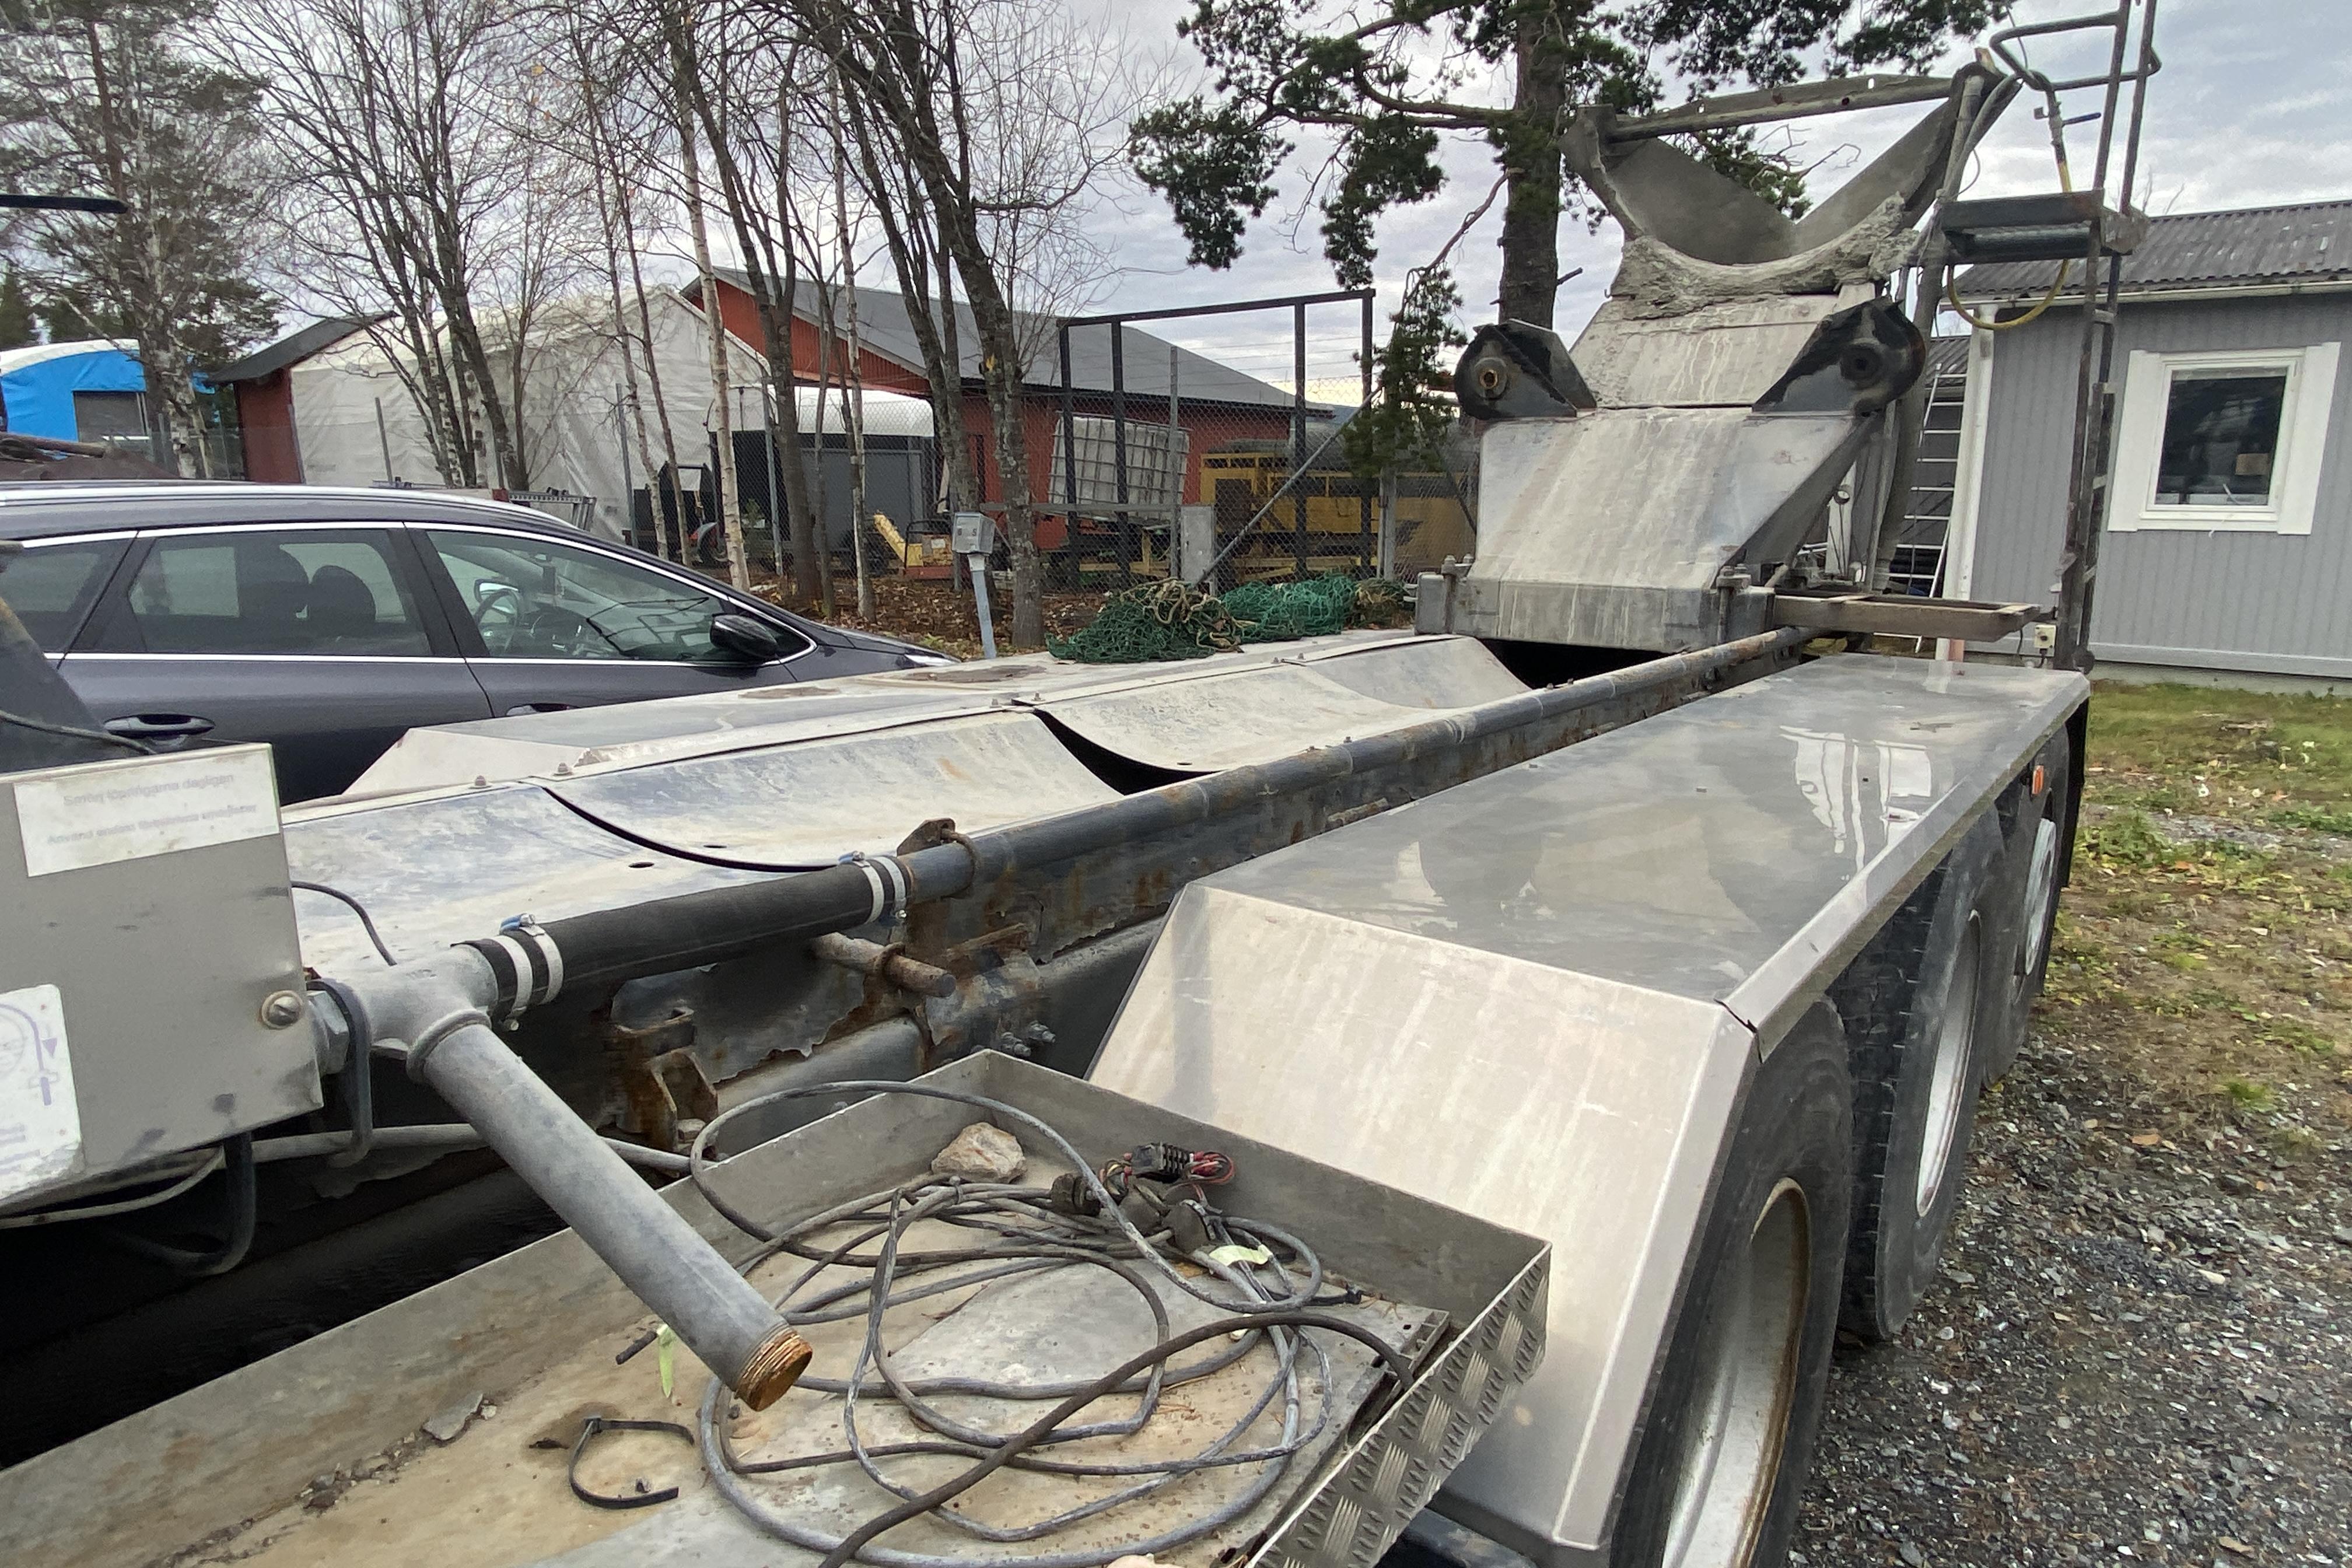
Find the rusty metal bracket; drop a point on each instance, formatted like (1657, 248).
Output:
(662, 1085)
(891, 962)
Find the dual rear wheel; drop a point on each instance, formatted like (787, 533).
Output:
(1838, 1186)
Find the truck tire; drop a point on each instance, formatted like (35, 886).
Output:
(1916, 1004)
(1730, 1428)
(2040, 828)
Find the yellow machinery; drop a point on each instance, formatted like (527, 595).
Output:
(920, 555)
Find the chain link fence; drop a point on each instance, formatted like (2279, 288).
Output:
(1210, 448)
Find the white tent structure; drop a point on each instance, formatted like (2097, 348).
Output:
(357, 425)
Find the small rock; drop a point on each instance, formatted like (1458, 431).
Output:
(319, 1501)
(372, 1464)
(2229, 1181)
(451, 1419)
(982, 1153)
(2342, 1233)
(1911, 1554)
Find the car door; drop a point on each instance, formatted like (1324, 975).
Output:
(550, 625)
(320, 640)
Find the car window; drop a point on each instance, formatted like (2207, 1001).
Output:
(50, 587)
(270, 592)
(537, 599)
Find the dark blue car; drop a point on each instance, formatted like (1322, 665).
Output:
(326, 622)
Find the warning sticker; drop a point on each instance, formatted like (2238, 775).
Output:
(40, 1125)
(127, 811)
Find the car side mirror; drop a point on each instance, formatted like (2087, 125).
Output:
(748, 639)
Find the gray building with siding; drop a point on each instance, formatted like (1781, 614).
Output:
(2227, 553)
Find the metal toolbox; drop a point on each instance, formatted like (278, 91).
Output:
(535, 1330)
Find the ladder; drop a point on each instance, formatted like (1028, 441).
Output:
(2064, 225)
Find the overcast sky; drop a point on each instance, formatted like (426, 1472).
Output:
(2253, 108)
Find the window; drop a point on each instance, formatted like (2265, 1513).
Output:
(117, 419)
(533, 599)
(50, 587)
(2229, 441)
(270, 592)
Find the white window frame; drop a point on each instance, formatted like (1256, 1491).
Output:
(2295, 466)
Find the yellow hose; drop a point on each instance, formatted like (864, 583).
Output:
(1952, 297)
(1952, 283)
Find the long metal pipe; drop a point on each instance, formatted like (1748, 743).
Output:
(438, 1137)
(677, 1273)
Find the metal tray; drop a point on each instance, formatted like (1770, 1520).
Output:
(225, 1468)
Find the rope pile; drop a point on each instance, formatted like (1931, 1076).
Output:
(1173, 620)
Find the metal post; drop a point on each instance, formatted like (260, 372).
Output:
(1180, 452)
(628, 483)
(978, 566)
(1368, 553)
(1299, 435)
(775, 483)
(1119, 451)
(1069, 468)
(2078, 566)
(383, 436)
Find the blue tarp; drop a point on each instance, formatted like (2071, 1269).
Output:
(38, 384)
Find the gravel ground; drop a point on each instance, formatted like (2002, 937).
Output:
(2138, 1349)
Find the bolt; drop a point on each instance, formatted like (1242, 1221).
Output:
(283, 1009)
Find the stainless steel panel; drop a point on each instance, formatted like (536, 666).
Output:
(447, 869)
(635, 734)
(1613, 528)
(630, 734)
(1586, 1111)
(1427, 672)
(812, 802)
(161, 958)
(1569, 967)
(1248, 715)
(1720, 355)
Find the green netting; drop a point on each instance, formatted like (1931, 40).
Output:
(1168, 620)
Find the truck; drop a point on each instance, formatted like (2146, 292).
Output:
(1588, 990)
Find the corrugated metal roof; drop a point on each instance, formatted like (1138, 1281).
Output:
(2310, 242)
(883, 327)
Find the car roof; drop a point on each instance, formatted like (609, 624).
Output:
(50, 507)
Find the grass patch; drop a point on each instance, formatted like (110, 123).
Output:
(2246, 1094)
(2315, 819)
(2248, 756)
(2206, 974)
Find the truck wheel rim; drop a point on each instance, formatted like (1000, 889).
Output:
(1737, 1420)
(1956, 1036)
(2040, 884)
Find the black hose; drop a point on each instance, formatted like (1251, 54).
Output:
(359, 1073)
(367, 923)
(243, 1209)
(77, 732)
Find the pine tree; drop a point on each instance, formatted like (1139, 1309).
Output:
(17, 327)
(103, 97)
